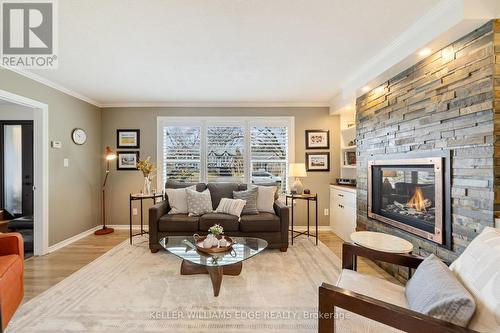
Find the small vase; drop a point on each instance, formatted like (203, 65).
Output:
(146, 190)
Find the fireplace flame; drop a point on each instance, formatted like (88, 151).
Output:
(418, 201)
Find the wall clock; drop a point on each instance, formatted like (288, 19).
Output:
(79, 136)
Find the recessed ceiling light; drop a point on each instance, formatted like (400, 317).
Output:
(366, 88)
(424, 52)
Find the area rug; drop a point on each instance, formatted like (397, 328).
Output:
(129, 289)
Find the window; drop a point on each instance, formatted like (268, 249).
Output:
(215, 149)
(269, 152)
(181, 153)
(225, 148)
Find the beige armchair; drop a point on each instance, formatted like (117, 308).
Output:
(362, 303)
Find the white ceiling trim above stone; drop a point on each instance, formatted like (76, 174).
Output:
(446, 22)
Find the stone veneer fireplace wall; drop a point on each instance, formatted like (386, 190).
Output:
(445, 102)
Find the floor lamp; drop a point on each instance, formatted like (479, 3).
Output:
(110, 155)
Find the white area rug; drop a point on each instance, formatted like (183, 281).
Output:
(130, 289)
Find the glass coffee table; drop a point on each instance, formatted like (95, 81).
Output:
(216, 265)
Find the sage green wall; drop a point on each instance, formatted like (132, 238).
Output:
(74, 192)
(121, 183)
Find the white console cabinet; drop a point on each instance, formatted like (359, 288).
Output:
(343, 210)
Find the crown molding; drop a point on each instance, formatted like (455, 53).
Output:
(446, 22)
(216, 104)
(48, 83)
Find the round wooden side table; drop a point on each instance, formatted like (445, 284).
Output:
(379, 241)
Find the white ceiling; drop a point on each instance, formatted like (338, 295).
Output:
(258, 51)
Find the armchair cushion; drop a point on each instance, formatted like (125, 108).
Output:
(478, 270)
(369, 286)
(436, 292)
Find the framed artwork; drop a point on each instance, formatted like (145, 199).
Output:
(318, 161)
(127, 160)
(350, 158)
(128, 138)
(317, 139)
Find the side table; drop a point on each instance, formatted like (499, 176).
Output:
(141, 198)
(381, 242)
(309, 198)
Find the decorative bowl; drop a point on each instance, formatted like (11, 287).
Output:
(214, 249)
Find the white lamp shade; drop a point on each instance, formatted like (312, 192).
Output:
(297, 170)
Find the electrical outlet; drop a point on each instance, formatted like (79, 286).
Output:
(325, 212)
(134, 211)
(66, 163)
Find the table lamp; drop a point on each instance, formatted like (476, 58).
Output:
(109, 155)
(297, 170)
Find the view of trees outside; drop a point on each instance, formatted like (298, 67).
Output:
(182, 153)
(226, 154)
(225, 151)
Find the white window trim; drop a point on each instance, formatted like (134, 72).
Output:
(163, 121)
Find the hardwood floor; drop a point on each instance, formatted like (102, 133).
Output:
(43, 272)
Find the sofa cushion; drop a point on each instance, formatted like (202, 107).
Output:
(478, 270)
(373, 287)
(178, 223)
(221, 190)
(228, 222)
(250, 196)
(435, 291)
(263, 222)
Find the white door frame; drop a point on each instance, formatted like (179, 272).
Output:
(41, 168)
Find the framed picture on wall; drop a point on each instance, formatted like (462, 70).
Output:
(128, 138)
(318, 161)
(317, 139)
(127, 160)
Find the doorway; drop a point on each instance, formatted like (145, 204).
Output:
(16, 178)
(23, 120)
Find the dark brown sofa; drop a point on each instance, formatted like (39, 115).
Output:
(271, 227)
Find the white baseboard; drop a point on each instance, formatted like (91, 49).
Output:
(73, 239)
(86, 233)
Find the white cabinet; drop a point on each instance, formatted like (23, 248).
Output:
(343, 211)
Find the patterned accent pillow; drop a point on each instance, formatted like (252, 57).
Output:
(231, 206)
(198, 203)
(436, 292)
(250, 196)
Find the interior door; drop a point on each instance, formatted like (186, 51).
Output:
(17, 167)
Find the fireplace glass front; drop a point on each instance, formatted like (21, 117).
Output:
(408, 195)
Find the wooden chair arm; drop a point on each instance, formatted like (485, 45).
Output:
(389, 314)
(351, 250)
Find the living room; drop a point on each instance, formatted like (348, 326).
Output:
(233, 166)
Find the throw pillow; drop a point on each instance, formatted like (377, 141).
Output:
(265, 198)
(231, 206)
(198, 203)
(250, 196)
(435, 291)
(177, 199)
(477, 268)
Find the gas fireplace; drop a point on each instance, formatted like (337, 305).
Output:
(411, 194)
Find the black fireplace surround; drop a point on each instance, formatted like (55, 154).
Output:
(412, 193)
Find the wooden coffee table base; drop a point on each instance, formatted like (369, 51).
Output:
(215, 273)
